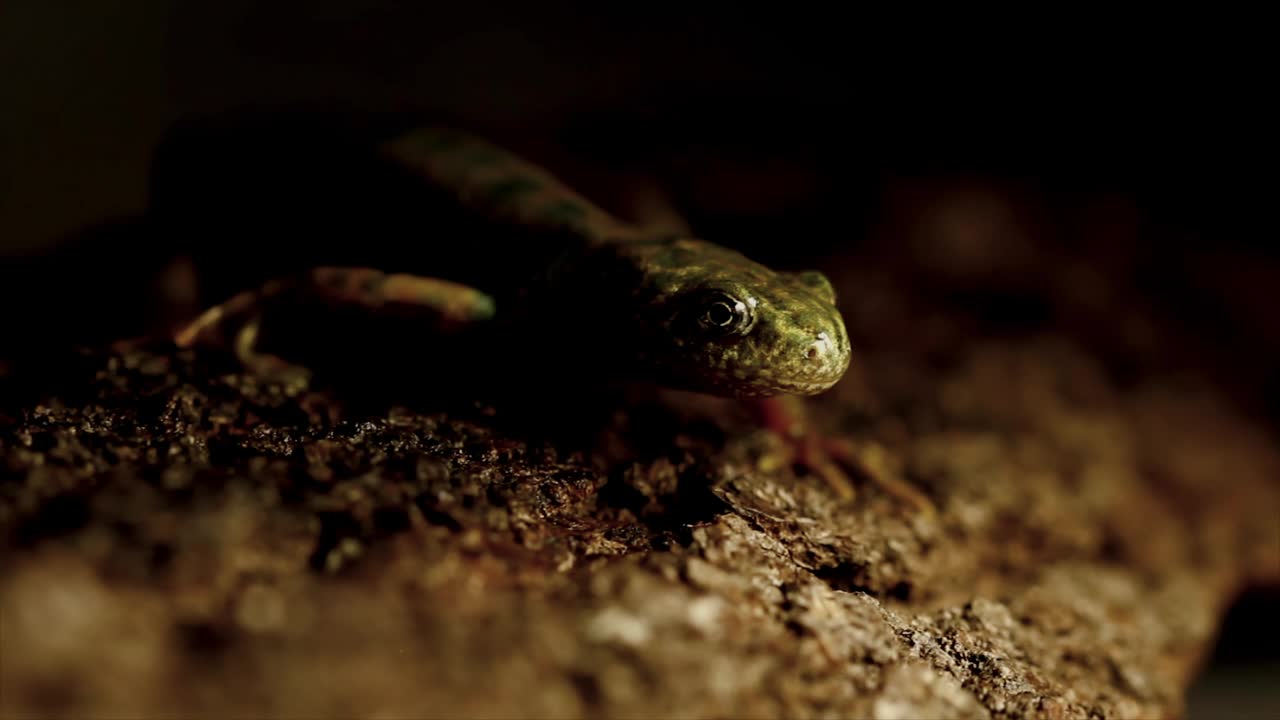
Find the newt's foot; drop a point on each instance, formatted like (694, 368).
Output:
(271, 368)
(836, 460)
(242, 315)
(436, 305)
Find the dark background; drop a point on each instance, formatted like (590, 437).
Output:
(1123, 147)
(1113, 158)
(1079, 101)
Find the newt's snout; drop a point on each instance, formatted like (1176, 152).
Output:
(820, 351)
(829, 356)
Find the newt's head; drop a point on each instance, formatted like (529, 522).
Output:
(714, 321)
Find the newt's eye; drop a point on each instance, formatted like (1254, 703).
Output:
(724, 314)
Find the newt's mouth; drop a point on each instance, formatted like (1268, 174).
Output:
(765, 384)
(764, 387)
(783, 388)
(807, 367)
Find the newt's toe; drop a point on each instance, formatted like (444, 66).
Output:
(839, 462)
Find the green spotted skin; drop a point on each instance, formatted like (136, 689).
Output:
(676, 310)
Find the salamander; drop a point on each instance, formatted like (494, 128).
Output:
(653, 305)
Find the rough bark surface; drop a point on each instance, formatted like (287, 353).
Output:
(181, 540)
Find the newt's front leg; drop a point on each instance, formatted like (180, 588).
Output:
(830, 457)
(435, 305)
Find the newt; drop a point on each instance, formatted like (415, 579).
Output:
(652, 305)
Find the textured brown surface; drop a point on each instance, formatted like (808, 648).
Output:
(182, 541)
(1096, 510)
